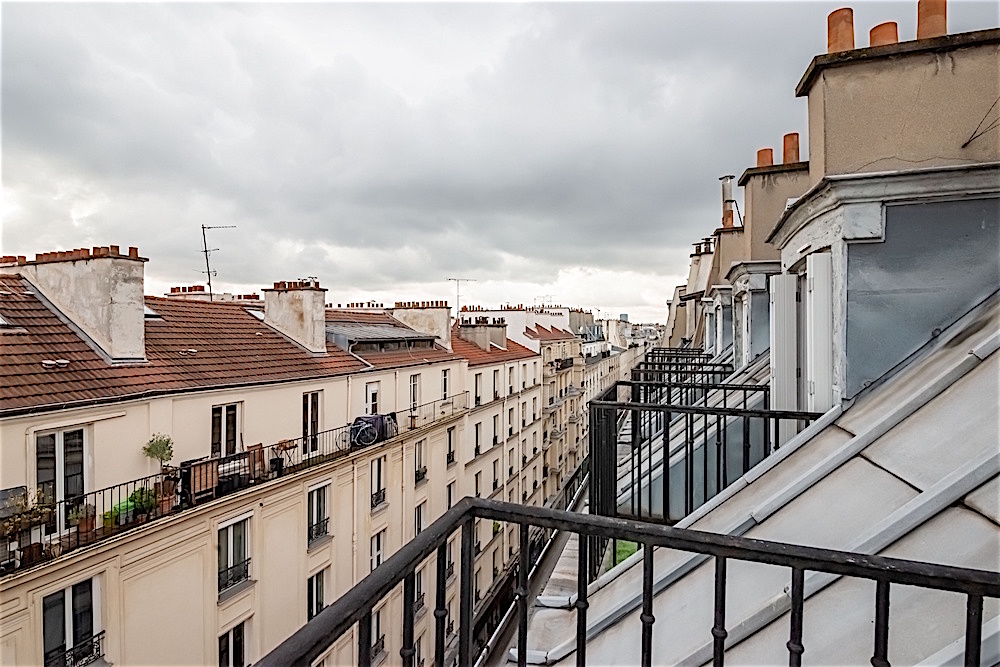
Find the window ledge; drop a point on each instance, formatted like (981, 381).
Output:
(319, 542)
(378, 509)
(235, 590)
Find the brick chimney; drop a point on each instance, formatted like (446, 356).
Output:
(297, 309)
(99, 290)
(430, 317)
(727, 201)
(484, 331)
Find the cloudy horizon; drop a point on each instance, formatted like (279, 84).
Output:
(560, 152)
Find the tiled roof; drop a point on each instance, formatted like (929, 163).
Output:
(361, 317)
(233, 348)
(477, 356)
(541, 333)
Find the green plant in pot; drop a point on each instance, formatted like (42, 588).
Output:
(161, 448)
(82, 516)
(144, 501)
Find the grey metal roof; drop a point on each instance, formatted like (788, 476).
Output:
(356, 332)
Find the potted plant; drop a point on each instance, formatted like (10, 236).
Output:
(82, 516)
(161, 448)
(144, 500)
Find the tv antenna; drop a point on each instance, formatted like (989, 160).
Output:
(204, 248)
(458, 293)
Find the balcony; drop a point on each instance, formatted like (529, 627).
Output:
(97, 515)
(574, 418)
(420, 474)
(319, 529)
(450, 458)
(496, 441)
(378, 646)
(378, 497)
(573, 390)
(562, 364)
(231, 576)
(84, 652)
(449, 570)
(595, 533)
(418, 601)
(475, 450)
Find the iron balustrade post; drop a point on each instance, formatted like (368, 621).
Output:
(636, 457)
(522, 598)
(646, 617)
(365, 639)
(440, 612)
(880, 658)
(719, 633)
(665, 467)
(407, 651)
(794, 645)
(582, 578)
(465, 592)
(746, 444)
(973, 629)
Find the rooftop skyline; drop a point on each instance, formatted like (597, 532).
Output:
(566, 151)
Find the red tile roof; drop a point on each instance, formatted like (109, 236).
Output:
(233, 348)
(555, 333)
(411, 357)
(477, 356)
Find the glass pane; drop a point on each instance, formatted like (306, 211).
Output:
(321, 504)
(73, 463)
(217, 431)
(224, 650)
(310, 599)
(312, 507)
(230, 429)
(83, 612)
(305, 422)
(314, 417)
(239, 542)
(223, 549)
(319, 591)
(45, 464)
(54, 622)
(238, 646)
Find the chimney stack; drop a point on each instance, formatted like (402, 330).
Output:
(765, 157)
(840, 30)
(727, 201)
(297, 309)
(932, 18)
(99, 291)
(790, 148)
(431, 317)
(884, 33)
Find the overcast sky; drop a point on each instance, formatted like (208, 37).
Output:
(566, 151)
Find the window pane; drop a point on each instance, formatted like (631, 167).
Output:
(305, 422)
(238, 646)
(83, 613)
(230, 429)
(73, 463)
(216, 431)
(239, 542)
(223, 549)
(45, 464)
(54, 622)
(224, 650)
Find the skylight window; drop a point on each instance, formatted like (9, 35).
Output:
(259, 314)
(150, 314)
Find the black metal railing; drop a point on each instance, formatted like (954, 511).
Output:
(420, 474)
(378, 646)
(314, 639)
(319, 529)
(378, 497)
(450, 457)
(418, 601)
(82, 653)
(233, 575)
(44, 527)
(681, 455)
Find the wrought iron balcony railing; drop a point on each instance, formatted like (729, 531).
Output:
(378, 497)
(319, 529)
(310, 642)
(231, 576)
(83, 652)
(420, 474)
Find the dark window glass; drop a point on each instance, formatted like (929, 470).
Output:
(230, 429)
(45, 464)
(83, 613)
(217, 431)
(54, 623)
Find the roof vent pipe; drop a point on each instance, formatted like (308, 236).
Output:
(932, 19)
(884, 33)
(727, 200)
(840, 30)
(790, 148)
(765, 157)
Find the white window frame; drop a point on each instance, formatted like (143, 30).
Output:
(96, 625)
(312, 421)
(378, 473)
(444, 384)
(414, 391)
(228, 634)
(226, 526)
(418, 517)
(223, 432)
(377, 548)
(372, 390)
(59, 493)
(316, 588)
(320, 491)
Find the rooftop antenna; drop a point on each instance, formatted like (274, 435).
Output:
(204, 248)
(458, 293)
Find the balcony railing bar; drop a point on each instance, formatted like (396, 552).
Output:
(312, 640)
(83, 653)
(234, 575)
(319, 529)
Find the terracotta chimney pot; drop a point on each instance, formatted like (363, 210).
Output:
(790, 148)
(932, 18)
(765, 157)
(884, 33)
(840, 30)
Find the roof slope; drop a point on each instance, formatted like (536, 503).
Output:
(232, 348)
(477, 356)
(910, 471)
(541, 333)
